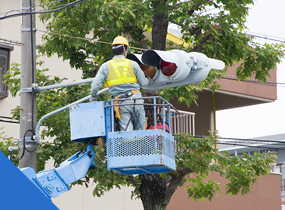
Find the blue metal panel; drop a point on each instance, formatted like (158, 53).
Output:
(141, 152)
(52, 183)
(87, 120)
(31, 175)
(108, 119)
(76, 166)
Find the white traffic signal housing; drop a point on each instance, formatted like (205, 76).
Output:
(176, 67)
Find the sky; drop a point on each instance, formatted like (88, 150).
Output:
(266, 18)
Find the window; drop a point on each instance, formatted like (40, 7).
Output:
(4, 66)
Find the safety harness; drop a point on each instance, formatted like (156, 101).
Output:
(126, 95)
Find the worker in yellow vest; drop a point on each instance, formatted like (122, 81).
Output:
(124, 78)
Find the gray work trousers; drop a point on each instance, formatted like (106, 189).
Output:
(135, 112)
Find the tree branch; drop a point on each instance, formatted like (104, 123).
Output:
(200, 46)
(176, 180)
(133, 180)
(143, 43)
(184, 170)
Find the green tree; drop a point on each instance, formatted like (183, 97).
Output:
(193, 156)
(211, 27)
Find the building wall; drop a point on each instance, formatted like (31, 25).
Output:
(265, 195)
(81, 198)
(249, 88)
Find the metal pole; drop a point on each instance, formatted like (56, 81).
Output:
(64, 85)
(28, 77)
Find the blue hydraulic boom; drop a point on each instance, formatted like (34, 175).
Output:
(55, 182)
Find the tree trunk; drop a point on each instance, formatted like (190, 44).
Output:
(159, 31)
(153, 192)
(156, 191)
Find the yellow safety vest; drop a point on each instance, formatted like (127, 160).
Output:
(121, 71)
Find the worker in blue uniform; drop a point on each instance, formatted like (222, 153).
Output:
(124, 78)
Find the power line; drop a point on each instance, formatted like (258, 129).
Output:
(29, 8)
(9, 121)
(251, 146)
(250, 143)
(63, 6)
(10, 42)
(264, 36)
(87, 39)
(75, 37)
(252, 140)
(268, 83)
(32, 7)
(40, 12)
(6, 117)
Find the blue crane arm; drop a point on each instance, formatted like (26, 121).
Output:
(55, 182)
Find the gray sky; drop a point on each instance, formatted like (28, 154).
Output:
(265, 17)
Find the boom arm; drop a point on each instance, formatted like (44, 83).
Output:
(55, 182)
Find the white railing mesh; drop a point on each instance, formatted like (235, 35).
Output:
(183, 122)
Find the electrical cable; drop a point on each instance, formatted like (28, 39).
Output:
(33, 68)
(268, 83)
(252, 146)
(75, 37)
(63, 6)
(248, 145)
(14, 10)
(30, 151)
(39, 5)
(6, 117)
(275, 145)
(256, 140)
(89, 142)
(8, 121)
(43, 12)
(263, 36)
(237, 144)
(10, 42)
(240, 139)
(87, 39)
(24, 148)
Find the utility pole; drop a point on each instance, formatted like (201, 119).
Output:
(28, 78)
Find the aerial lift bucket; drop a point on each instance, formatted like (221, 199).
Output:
(128, 152)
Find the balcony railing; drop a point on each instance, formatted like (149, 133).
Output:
(183, 122)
